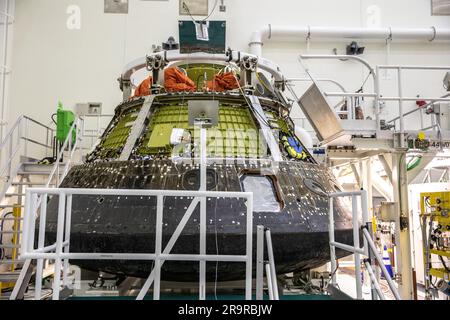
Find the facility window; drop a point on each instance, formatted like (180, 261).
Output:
(265, 196)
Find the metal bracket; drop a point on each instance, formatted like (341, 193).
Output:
(125, 87)
(404, 223)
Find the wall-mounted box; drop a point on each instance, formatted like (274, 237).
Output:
(116, 6)
(388, 211)
(90, 108)
(193, 7)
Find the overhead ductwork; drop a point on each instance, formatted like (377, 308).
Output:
(303, 33)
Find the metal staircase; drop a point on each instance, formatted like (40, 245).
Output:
(20, 169)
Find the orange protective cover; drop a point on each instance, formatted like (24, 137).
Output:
(223, 82)
(176, 80)
(144, 88)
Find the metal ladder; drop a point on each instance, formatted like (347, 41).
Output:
(20, 170)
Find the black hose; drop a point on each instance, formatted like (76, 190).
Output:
(53, 118)
(443, 263)
(1, 235)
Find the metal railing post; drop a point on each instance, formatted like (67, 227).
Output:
(356, 244)
(377, 99)
(158, 245)
(41, 243)
(249, 249)
(269, 282)
(67, 237)
(259, 263)
(11, 146)
(59, 245)
(202, 284)
(272, 264)
(331, 235)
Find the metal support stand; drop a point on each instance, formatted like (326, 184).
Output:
(259, 262)
(202, 283)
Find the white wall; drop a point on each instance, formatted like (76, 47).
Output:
(52, 63)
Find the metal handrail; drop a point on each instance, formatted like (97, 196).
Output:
(20, 127)
(367, 249)
(74, 129)
(60, 250)
(419, 109)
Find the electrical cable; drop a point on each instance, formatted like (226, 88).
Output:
(209, 15)
(444, 264)
(365, 81)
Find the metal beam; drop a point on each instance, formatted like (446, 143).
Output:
(387, 168)
(137, 129)
(357, 175)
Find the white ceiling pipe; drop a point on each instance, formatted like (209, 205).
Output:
(301, 33)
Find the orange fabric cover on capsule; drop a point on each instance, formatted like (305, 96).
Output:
(176, 80)
(144, 88)
(223, 82)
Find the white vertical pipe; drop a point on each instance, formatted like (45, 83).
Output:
(400, 105)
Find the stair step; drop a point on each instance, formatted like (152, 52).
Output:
(29, 184)
(37, 173)
(10, 246)
(6, 206)
(11, 261)
(10, 232)
(9, 276)
(14, 194)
